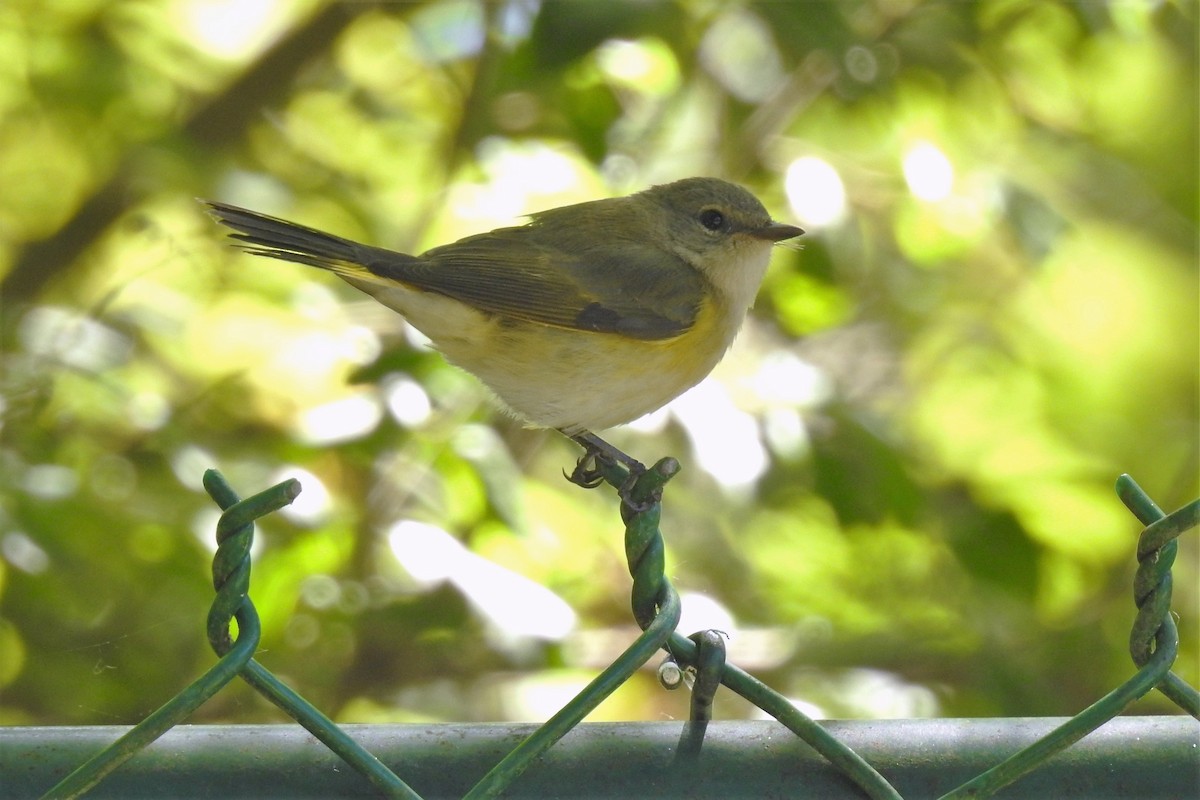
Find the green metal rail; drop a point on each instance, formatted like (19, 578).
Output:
(1131, 757)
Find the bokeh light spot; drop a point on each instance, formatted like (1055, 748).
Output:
(815, 192)
(929, 174)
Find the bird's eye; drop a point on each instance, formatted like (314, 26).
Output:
(712, 219)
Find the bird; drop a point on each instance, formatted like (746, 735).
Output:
(587, 317)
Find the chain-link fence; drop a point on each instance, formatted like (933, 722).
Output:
(1130, 756)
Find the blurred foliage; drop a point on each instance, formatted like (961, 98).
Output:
(897, 494)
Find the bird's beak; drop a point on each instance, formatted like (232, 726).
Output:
(777, 232)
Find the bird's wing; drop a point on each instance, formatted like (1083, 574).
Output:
(549, 275)
(631, 289)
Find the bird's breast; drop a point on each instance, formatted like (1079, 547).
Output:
(582, 380)
(567, 378)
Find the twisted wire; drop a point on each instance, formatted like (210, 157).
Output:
(1153, 627)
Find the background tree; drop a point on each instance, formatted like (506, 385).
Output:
(897, 495)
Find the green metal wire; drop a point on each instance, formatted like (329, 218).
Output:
(235, 656)
(231, 579)
(652, 594)
(1154, 645)
(643, 546)
(646, 565)
(710, 664)
(1152, 584)
(807, 729)
(231, 562)
(1077, 727)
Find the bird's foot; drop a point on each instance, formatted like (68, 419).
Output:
(600, 462)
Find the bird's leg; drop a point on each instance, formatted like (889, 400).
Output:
(588, 472)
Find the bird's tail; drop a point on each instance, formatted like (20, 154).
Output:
(277, 238)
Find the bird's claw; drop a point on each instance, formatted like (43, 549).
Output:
(598, 462)
(587, 473)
